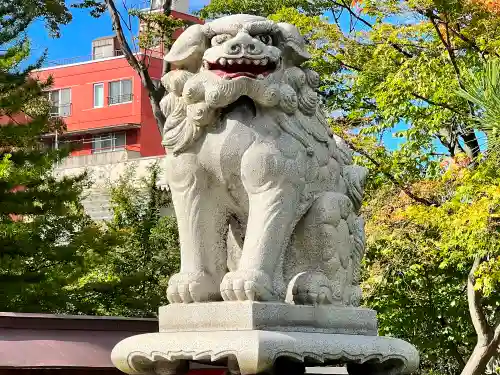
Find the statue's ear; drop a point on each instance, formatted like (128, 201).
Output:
(295, 46)
(187, 50)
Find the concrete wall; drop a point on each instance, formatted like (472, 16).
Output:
(105, 170)
(93, 160)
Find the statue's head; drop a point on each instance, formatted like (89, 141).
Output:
(239, 46)
(232, 57)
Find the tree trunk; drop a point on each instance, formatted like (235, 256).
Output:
(488, 337)
(142, 71)
(476, 365)
(471, 144)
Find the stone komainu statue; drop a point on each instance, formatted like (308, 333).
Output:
(266, 197)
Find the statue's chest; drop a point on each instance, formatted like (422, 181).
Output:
(223, 147)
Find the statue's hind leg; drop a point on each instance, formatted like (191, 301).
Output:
(319, 262)
(202, 222)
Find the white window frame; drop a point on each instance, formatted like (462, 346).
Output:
(121, 91)
(108, 136)
(101, 84)
(60, 113)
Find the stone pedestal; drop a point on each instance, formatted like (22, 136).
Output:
(264, 338)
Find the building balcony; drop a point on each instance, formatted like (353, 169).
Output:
(83, 58)
(119, 99)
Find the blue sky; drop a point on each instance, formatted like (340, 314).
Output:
(76, 37)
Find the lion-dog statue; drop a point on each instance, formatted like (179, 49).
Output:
(266, 197)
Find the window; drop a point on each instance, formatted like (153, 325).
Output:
(120, 91)
(108, 142)
(101, 52)
(98, 95)
(61, 102)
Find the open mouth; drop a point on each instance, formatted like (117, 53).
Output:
(241, 67)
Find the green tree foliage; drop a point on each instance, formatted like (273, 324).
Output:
(130, 279)
(260, 8)
(419, 259)
(43, 231)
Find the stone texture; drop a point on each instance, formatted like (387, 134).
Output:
(256, 351)
(234, 316)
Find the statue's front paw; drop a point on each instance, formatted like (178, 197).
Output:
(243, 285)
(192, 287)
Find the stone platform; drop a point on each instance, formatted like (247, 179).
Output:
(268, 316)
(264, 338)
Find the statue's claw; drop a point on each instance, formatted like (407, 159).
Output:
(192, 287)
(246, 285)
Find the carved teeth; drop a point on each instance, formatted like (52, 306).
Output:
(256, 62)
(206, 65)
(239, 61)
(260, 76)
(263, 61)
(230, 61)
(222, 61)
(247, 61)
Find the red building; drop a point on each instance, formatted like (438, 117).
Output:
(103, 103)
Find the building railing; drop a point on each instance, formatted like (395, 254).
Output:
(117, 99)
(80, 59)
(61, 110)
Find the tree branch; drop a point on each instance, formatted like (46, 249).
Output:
(136, 65)
(470, 42)
(439, 104)
(167, 11)
(451, 53)
(469, 137)
(458, 34)
(366, 23)
(479, 320)
(117, 27)
(393, 179)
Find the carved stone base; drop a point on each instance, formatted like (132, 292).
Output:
(264, 338)
(264, 352)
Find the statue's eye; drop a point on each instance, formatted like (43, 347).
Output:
(265, 38)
